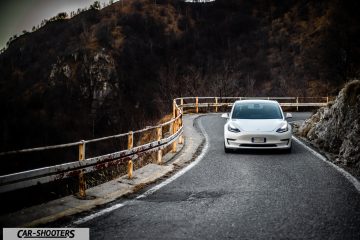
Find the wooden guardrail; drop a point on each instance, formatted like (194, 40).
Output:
(14, 181)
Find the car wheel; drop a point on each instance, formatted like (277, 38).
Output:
(288, 150)
(226, 150)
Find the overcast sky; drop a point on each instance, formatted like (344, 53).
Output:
(19, 15)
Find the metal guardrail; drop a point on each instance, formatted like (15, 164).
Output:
(78, 168)
(203, 102)
(19, 180)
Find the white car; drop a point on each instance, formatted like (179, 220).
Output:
(257, 124)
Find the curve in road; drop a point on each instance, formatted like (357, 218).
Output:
(246, 195)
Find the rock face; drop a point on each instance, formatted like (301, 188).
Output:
(96, 74)
(336, 128)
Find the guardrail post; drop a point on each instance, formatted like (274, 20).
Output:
(181, 104)
(130, 140)
(297, 104)
(130, 169)
(174, 108)
(130, 146)
(179, 124)
(173, 130)
(197, 104)
(216, 104)
(181, 138)
(82, 182)
(158, 138)
(327, 100)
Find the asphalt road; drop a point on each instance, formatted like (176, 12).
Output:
(247, 195)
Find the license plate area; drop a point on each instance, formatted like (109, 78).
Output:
(258, 140)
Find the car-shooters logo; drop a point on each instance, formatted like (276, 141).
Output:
(46, 233)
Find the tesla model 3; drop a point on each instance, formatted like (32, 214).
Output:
(257, 124)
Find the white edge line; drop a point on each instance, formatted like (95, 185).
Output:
(347, 175)
(97, 214)
(153, 189)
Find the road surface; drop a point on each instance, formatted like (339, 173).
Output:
(247, 195)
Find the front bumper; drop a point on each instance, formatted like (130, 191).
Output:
(246, 140)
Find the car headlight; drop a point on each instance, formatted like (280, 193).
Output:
(232, 128)
(284, 128)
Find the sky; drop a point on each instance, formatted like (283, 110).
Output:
(19, 15)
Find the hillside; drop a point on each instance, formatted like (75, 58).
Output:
(110, 70)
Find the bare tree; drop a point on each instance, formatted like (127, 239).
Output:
(250, 80)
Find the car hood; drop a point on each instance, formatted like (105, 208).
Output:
(257, 125)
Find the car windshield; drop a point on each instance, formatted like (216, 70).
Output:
(260, 110)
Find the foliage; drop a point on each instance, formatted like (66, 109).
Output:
(96, 5)
(155, 52)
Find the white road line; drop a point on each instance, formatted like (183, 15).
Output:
(347, 175)
(155, 188)
(98, 214)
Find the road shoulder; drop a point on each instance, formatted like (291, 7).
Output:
(328, 158)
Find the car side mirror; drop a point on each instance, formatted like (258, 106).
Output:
(225, 115)
(288, 115)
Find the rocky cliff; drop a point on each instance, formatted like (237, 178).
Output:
(336, 128)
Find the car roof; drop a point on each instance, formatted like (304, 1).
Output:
(257, 101)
